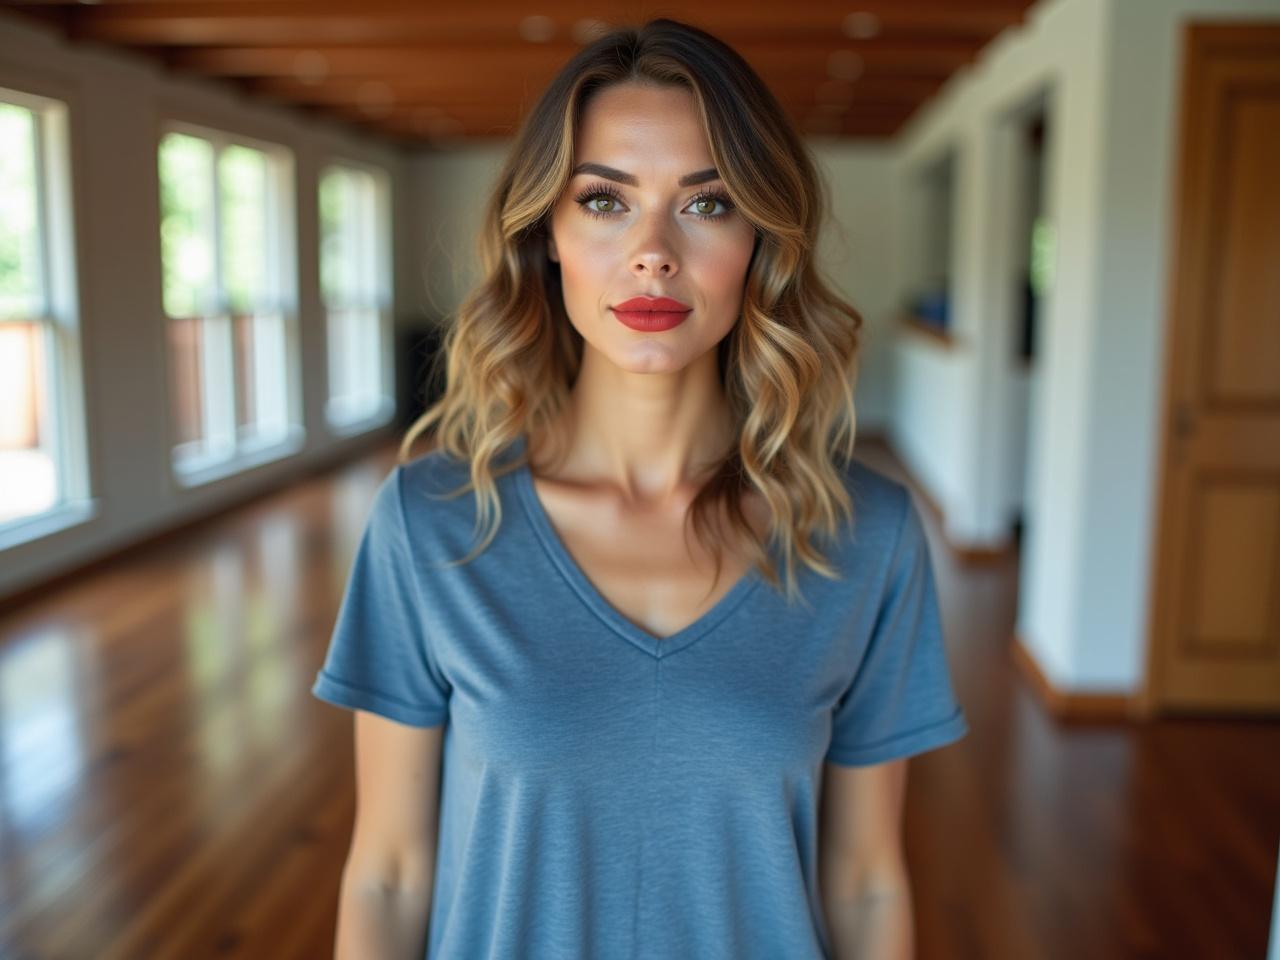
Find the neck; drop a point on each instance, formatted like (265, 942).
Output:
(652, 437)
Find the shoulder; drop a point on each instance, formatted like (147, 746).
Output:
(435, 472)
(877, 498)
(438, 472)
(886, 528)
(432, 488)
(441, 510)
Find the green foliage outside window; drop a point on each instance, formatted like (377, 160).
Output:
(186, 210)
(20, 259)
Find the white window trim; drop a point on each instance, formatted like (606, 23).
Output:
(282, 284)
(382, 408)
(64, 415)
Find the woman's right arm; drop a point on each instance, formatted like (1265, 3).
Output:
(385, 899)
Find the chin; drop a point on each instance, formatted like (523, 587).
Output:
(649, 357)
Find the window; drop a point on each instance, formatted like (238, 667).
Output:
(932, 199)
(1042, 255)
(355, 284)
(229, 295)
(43, 474)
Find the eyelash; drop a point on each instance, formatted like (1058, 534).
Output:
(605, 190)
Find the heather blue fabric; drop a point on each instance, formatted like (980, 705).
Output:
(607, 794)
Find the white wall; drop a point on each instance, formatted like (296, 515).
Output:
(117, 102)
(856, 254)
(1109, 70)
(451, 188)
(962, 437)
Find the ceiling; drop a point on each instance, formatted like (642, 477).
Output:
(422, 72)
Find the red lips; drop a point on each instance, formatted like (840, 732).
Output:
(657, 304)
(651, 314)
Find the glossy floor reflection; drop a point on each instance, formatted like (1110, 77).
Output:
(170, 789)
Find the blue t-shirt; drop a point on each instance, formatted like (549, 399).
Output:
(607, 794)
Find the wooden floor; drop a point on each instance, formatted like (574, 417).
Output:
(170, 789)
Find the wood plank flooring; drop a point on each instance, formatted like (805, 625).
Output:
(170, 789)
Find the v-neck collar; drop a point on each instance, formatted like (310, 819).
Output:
(560, 557)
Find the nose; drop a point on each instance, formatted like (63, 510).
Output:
(655, 254)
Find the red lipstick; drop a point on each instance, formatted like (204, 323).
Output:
(650, 314)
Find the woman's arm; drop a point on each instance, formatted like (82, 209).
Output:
(866, 893)
(876, 925)
(379, 920)
(385, 900)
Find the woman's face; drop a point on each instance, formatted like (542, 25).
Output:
(649, 235)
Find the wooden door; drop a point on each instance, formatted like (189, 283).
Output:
(1215, 621)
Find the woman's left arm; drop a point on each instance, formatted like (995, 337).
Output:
(866, 893)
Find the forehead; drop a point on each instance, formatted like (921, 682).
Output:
(637, 128)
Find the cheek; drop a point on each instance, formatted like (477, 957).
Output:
(584, 264)
(722, 267)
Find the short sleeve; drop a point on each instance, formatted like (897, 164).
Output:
(900, 701)
(379, 657)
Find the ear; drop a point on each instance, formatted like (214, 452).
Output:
(551, 248)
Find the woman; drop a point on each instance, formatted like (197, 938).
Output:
(596, 736)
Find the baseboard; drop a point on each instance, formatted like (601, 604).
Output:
(1072, 707)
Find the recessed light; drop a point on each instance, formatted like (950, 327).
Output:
(861, 25)
(537, 28)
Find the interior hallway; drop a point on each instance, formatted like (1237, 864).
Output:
(169, 788)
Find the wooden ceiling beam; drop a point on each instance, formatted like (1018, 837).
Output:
(422, 73)
(407, 132)
(250, 22)
(937, 60)
(426, 121)
(448, 93)
(499, 113)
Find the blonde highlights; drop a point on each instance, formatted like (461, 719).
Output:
(788, 367)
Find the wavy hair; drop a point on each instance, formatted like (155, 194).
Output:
(788, 367)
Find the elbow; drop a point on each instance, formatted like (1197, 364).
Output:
(387, 867)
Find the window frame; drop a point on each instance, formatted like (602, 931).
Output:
(383, 406)
(218, 348)
(64, 417)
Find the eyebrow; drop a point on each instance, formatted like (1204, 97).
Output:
(609, 173)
